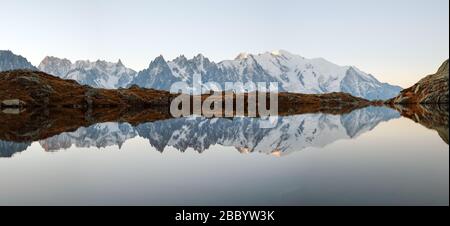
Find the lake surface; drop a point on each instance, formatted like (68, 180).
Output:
(371, 156)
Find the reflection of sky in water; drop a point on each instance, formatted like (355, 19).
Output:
(397, 162)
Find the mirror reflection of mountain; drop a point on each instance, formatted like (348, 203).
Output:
(291, 133)
(432, 116)
(9, 148)
(98, 135)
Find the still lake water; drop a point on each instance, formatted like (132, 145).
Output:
(371, 156)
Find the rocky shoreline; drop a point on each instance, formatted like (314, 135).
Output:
(26, 88)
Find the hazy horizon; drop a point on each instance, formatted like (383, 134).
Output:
(398, 42)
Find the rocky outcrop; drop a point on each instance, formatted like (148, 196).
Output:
(426, 102)
(433, 89)
(26, 88)
(10, 61)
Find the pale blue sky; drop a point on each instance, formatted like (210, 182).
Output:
(399, 41)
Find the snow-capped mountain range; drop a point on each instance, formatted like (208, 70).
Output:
(98, 74)
(291, 133)
(292, 72)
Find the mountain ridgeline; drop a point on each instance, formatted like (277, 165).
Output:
(293, 73)
(98, 74)
(11, 61)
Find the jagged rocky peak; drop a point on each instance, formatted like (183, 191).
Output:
(157, 62)
(201, 60)
(102, 63)
(241, 56)
(120, 64)
(181, 60)
(82, 63)
(158, 75)
(52, 60)
(433, 89)
(203, 63)
(55, 66)
(199, 57)
(10, 61)
(98, 74)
